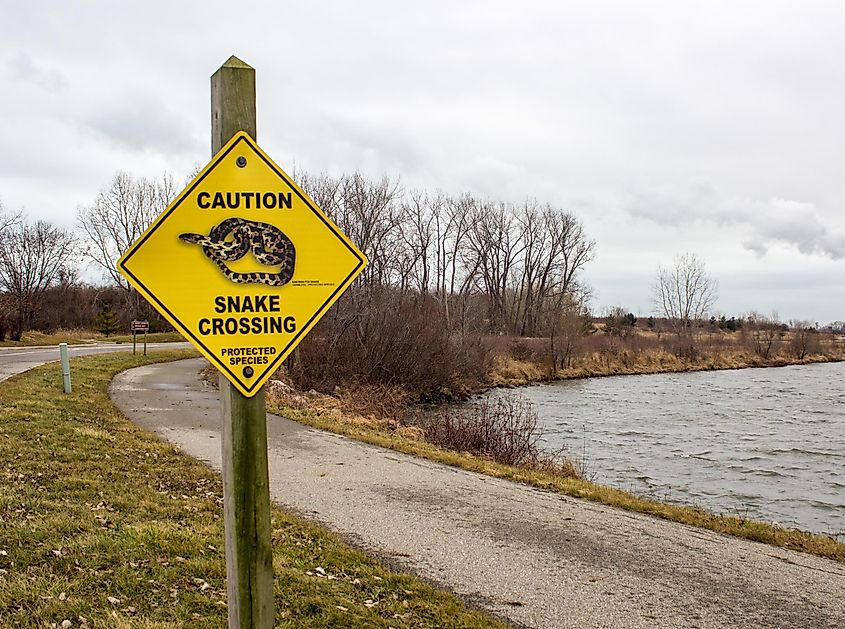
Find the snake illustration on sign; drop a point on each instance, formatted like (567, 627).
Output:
(268, 243)
(243, 263)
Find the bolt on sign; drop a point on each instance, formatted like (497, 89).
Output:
(243, 263)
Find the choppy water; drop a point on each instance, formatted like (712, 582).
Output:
(762, 443)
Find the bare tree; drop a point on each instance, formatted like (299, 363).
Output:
(566, 323)
(804, 339)
(417, 226)
(684, 294)
(493, 248)
(766, 333)
(367, 211)
(8, 218)
(119, 215)
(556, 250)
(32, 259)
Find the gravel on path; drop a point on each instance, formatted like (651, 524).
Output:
(536, 558)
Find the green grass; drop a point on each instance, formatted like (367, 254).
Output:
(71, 337)
(155, 337)
(821, 545)
(101, 521)
(80, 337)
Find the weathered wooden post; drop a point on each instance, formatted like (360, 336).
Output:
(246, 485)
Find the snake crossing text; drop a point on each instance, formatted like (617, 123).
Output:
(246, 325)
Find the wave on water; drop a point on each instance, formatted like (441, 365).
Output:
(802, 451)
(774, 435)
(696, 455)
(762, 472)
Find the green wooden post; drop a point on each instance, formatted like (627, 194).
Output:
(246, 484)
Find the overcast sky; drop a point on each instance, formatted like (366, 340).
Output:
(667, 127)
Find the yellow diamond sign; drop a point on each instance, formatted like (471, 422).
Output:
(243, 263)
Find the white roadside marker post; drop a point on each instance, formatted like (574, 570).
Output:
(65, 366)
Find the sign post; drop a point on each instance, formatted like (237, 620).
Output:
(140, 326)
(244, 264)
(246, 483)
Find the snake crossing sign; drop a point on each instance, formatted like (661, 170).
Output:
(243, 263)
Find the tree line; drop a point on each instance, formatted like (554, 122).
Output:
(41, 263)
(489, 266)
(450, 280)
(485, 266)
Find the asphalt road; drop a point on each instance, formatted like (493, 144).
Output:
(535, 558)
(15, 360)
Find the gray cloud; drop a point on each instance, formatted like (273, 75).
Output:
(21, 67)
(764, 222)
(794, 223)
(138, 122)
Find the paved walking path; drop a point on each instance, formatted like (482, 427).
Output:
(536, 558)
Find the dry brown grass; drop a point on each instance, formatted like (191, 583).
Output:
(517, 362)
(348, 407)
(507, 371)
(626, 362)
(72, 337)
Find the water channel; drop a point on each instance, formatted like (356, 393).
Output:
(768, 444)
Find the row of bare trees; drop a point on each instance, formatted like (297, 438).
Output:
(117, 218)
(488, 266)
(34, 256)
(39, 260)
(522, 261)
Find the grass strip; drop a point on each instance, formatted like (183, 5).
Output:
(153, 337)
(103, 525)
(793, 539)
(87, 337)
